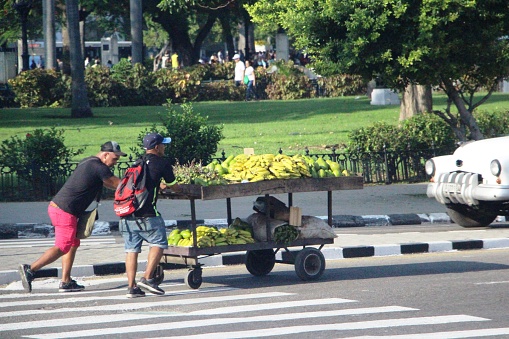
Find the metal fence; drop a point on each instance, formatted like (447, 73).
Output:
(382, 167)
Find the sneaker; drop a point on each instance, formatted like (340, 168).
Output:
(71, 286)
(27, 276)
(150, 286)
(134, 292)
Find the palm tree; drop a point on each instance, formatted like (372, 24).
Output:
(80, 107)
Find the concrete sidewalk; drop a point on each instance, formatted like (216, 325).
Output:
(372, 200)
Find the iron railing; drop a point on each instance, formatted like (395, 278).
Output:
(381, 167)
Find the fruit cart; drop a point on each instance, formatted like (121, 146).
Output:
(260, 257)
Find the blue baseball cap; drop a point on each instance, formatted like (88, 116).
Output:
(151, 140)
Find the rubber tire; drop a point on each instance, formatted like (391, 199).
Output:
(309, 264)
(158, 274)
(260, 262)
(468, 217)
(193, 279)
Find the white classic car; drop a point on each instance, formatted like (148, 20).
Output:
(473, 182)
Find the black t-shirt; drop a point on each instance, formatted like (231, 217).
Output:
(158, 168)
(83, 186)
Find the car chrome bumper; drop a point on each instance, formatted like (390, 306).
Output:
(464, 188)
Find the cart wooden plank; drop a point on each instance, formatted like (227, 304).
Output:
(269, 187)
(196, 251)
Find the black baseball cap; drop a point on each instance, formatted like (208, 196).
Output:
(112, 146)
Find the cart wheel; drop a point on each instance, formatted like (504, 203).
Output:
(260, 262)
(193, 278)
(309, 264)
(158, 274)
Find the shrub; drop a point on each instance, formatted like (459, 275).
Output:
(37, 158)
(192, 138)
(492, 124)
(102, 90)
(289, 87)
(421, 132)
(35, 88)
(135, 85)
(179, 85)
(221, 90)
(342, 85)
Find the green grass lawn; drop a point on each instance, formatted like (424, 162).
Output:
(265, 126)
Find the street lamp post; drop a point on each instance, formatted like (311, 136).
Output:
(23, 8)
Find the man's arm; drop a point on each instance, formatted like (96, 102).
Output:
(174, 186)
(111, 182)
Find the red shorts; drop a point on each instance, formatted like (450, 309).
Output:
(65, 228)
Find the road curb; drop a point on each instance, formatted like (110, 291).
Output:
(329, 253)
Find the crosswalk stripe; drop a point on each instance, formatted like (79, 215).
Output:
(486, 332)
(266, 332)
(141, 305)
(271, 306)
(44, 242)
(65, 299)
(101, 319)
(333, 327)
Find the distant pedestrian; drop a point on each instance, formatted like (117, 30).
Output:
(174, 61)
(250, 74)
(81, 189)
(60, 65)
(164, 61)
(239, 70)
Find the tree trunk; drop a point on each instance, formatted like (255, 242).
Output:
(136, 31)
(66, 57)
(80, 107)
(466, 119)
(416, 99)
(227, 35)
(49, 33)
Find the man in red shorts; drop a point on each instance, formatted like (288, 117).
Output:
(81, 189)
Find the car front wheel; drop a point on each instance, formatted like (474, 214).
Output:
(468, 217)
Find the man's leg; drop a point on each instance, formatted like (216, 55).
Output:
(131, 265)
(67, 261)
(47, 258)
(154, 258)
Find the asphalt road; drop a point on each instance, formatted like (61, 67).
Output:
(440, 295)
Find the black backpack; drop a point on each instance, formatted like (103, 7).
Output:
(131, 193)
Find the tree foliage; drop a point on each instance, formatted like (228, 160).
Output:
(458, 45)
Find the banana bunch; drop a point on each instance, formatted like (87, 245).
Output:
(285, 234)
(210, 236)
(180, 238)
(286, 167)
(237, 236)
(254, 168)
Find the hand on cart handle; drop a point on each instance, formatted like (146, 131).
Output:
(175, 188)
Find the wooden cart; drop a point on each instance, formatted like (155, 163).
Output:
(261, 256)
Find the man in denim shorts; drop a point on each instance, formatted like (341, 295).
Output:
(146, 224)
(83, 187)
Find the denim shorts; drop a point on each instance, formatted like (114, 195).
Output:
(136, 230)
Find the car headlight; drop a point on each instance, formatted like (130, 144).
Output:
(495, 167)
(430, 167)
